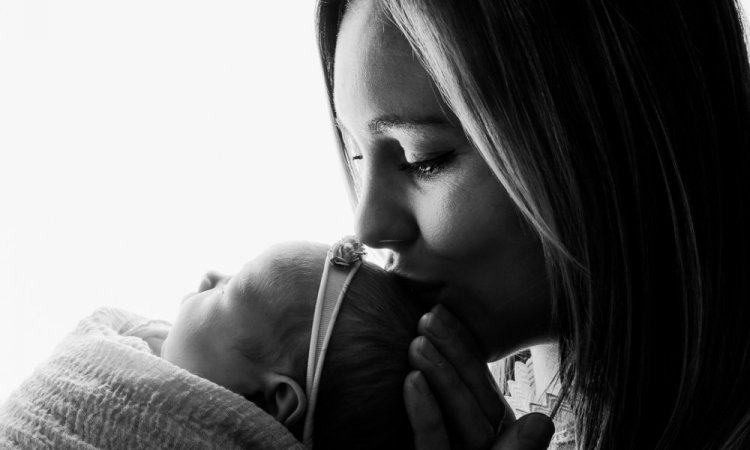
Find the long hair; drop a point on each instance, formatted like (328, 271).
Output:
(621, 131)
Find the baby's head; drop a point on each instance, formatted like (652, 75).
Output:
(251, 332)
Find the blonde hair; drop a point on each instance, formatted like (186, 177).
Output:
(621, 131)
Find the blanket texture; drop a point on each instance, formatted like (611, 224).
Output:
(103, 388)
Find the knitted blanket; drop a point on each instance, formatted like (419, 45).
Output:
(105, 389)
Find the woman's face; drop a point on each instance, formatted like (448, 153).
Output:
(427, 196)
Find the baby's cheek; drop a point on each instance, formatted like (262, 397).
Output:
(172, 349)
(166, 350)
(177, 349)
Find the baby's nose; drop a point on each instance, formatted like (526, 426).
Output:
(210, 280)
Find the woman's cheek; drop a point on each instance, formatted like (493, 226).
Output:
(463, 222)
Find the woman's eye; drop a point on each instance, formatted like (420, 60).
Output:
(429, 167)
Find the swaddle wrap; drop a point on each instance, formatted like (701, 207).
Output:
(104, 389)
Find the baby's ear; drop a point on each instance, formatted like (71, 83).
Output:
(287, 402)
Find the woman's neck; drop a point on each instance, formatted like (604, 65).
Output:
(546, 361)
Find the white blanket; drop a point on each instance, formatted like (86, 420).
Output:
(104, 389)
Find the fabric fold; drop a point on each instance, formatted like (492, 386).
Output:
(105, 389)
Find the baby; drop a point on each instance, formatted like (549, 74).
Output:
(251, 334)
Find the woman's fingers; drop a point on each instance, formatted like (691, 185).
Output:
(469, 427)
(424, 414)
(531, 432)
(452, 400)
(455, 342)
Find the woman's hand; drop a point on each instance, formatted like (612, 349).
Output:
(452, 400)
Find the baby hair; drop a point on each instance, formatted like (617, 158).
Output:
(360, 403)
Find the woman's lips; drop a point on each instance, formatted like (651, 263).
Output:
(423, 289)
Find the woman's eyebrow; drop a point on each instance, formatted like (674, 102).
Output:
(384, 124)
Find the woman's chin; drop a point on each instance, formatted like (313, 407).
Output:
(426, 293)
(499, 329)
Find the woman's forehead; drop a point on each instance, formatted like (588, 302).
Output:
(369, 20)
(376, 74)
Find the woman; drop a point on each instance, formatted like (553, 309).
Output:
(571, 174)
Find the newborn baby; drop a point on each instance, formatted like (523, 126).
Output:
(251, 334)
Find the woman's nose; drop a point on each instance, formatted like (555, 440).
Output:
(210, 280)
(383, 218)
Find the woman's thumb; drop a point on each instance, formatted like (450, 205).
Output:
(530, 432)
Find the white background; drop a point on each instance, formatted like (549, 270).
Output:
(143, 142)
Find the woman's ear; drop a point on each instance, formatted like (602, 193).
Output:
(287, 402)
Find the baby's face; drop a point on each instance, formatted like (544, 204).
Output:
(230, 331)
